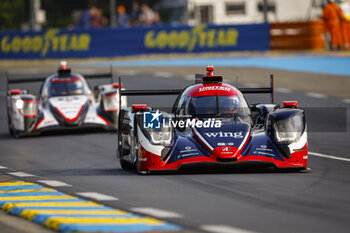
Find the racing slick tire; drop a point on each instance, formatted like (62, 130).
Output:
(13, 132)
(126, 165)
(9, 125)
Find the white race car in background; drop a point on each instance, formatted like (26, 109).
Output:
(65, 102)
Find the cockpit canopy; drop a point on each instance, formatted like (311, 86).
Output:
(65, 87)
(218, 106)
(201, 101)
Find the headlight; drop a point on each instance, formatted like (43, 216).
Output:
(28, 106)
(30, 109)
(19, 104)
(289, 130)
(163, 135)
(110, 102)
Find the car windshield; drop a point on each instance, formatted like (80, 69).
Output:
(225, 106)
(64, 87)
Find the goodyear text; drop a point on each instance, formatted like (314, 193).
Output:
(189, 39)
(51, 41)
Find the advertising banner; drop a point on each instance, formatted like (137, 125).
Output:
(113, 42)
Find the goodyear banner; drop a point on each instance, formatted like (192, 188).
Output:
(110, 42)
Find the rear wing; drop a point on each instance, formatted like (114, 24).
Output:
(258, 90)
(10, 81)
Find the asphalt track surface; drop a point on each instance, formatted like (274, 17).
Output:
(244, 200)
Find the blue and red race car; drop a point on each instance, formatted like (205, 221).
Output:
(211, 124)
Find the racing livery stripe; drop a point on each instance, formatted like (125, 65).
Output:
(66, 213)
(201, 139)
(70, 119)
(102, 118)
(38, 123)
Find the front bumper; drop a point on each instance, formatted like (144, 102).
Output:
(150, 163)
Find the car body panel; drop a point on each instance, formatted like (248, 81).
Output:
(263, 135)
(65, 102)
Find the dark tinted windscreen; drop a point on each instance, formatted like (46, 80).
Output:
(203, 105)
(72, 86)
(217, 106)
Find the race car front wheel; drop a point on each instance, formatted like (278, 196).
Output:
(126, 165)
(12, 131)
(9, 125)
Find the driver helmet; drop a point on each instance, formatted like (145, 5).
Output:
(231, 105)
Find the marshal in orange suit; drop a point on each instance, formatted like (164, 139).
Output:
(332, 17)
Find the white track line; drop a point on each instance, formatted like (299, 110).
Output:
(223, 229)
(316, 95)
(2, 167)
(347, 101)
(163, 75)
(98, 196)
(156, 212)
(54, 183)
(20, 174)
(328, 156)
(283, 90)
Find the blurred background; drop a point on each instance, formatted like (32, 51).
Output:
(161, 44)
(110, 28)
(37, 14)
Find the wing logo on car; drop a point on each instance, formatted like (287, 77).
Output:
(236, 135)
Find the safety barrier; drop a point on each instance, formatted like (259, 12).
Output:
(298, 35)
(111, 42)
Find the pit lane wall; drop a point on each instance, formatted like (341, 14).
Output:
(113, 42)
